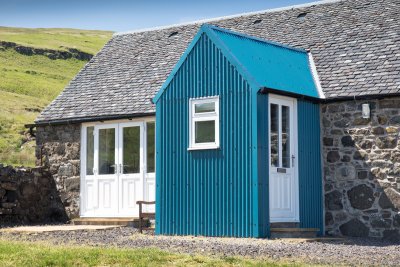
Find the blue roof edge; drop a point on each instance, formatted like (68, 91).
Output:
(207, 29)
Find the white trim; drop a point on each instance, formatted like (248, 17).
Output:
(315, 75)
(83, 168)
(296, 159)
(207, 116)
(323, 2)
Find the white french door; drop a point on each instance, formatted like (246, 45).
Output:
(283, 180)
(117, 168)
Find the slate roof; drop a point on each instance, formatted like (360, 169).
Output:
(355, 45)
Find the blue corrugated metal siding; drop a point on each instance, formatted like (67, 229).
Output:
(207, 192)
(310, 176)
(263, 166)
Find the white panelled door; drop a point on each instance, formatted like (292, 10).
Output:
(117, 168)
(283, 180)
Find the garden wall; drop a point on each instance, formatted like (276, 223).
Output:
(29, 195)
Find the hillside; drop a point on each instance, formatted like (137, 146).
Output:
(35, 65)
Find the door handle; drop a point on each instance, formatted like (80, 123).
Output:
(293, 157)
(120, 168)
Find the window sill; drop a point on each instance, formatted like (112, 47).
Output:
(203, 147)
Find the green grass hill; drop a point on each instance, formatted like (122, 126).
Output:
(31, 77)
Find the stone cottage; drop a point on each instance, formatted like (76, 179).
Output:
(102, 135)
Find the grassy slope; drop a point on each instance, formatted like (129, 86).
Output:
(57, 39)
(28, 254)
(29, 83)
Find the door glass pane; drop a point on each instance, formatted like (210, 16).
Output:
(131, 149)
(204, 107)
(89, 150)
(274, 125)
(285, 137)
(150, 147)
(204, 131)
(106, 151)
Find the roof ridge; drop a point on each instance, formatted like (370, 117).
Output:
(278, 9)
(213, 27)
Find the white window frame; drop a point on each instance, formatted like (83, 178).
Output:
(206, 116)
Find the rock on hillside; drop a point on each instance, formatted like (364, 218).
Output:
(50, 53)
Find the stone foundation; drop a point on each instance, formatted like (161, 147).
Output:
(29, 196)
(362, 168)
(58, 148)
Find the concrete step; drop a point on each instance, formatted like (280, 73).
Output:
(110, 221)
(294, 232)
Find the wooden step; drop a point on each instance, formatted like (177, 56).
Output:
(294, 232)
(109, 221)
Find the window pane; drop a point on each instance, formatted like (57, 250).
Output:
(150, 147)
(285, 137)
(131, 149)
(106, 151)
(204, 107)
(274, 124)
(204, 131)
(89, 150)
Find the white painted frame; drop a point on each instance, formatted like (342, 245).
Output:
(282, 100)
(148, 179)
(206, 116)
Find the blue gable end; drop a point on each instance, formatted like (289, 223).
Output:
(264, 64)
(207, 192)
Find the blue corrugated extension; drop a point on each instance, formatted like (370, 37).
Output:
(225, 191)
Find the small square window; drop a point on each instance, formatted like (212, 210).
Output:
(204, 123)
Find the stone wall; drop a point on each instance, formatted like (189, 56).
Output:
(28, 196)
(58, 148)
(362, 168)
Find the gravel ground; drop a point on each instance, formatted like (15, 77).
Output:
(354, 252)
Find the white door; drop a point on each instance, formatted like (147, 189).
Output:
(114, 173)
(283, 181)
(130, 167)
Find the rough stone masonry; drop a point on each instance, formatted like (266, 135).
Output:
(362, 168)
(28, 195)
(58, 148)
